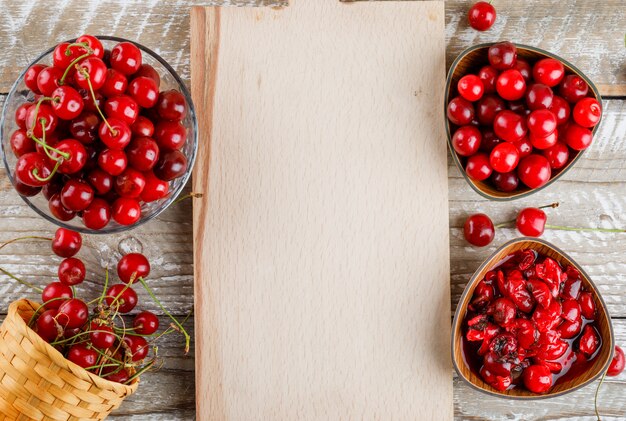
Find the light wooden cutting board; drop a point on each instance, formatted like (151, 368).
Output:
(321, 243)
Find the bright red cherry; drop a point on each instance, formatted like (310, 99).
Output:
(504, 157)
(47, 327)
(573, 88)
(510, 85)
(93, 43)
(112, 161)
(115, 84)
(71, 271)
(143, 127)
(589, 341)
(143, 153)
(149, 71)
(531, 222)
(617, 363)
(488, 76)
(506, 182)
(470, 87)
(155, 189)
(548, 71)
(481, 15)
(577, 137)
(557, 155)
(76, 195)
(479, 230)
(170, 134)
(31, 168)
(539, 96)
(466, 140)
(561, 109)
(97, 215)
(67, 103)
(544, 142)
(502, 55)
(138, 347)
(146, 323)
(587, 305)
(126, 58)
(20, 114)
(171, 105)
(100, 180)
(130, 183)
(460, 111)
(534, 171)
(541, 122)
(126, 211)
(119, 295)
(509, 126)
(132, 267)
(144, 91)
(77, 156)
(587, 112)
(91, 70)
(82, 355)
(487, 108)
(120, 376)
(20, 143)
(58, 210)
(48, 80)
(30, 77)
(54, 294)
(41, 120)
(101, 335)
(119, 137)
(537, 378)
(524, 146)
(123, 108)
(64, 54)
(478, 167)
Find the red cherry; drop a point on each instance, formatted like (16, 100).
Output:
(503, 311)
(112, 161)
(573, 88)
(561, 109)
(142, 127)
(537, 378)
(577, 137)
(460, 111)
(143, 153)
(115, 83)
(66, 243)
(93, 43)
(52, 188)
(155, 189)
(71, 271)
(502, 55)
(88, 100)
(47, 327)
(617, 363)
(120, 376)
(557, 155)
(126, 211)
(20, 114)
(46, 120)
(504, 157)
(138, 347)
(466, 140)
(94, 71)
(523, 67)
(524, 146)
(509, 126)
(589, 341)
(489, 141)
(133, 266)
(539, 96)
(479, 230)
(24, 190)
(534, 171)
(170, 134)
(83, 356)
(21, 144)
(76, 195)
(54, 294)
(571, 310)
(97, 215)
(481, 15)
(510, 85)
(130, 183)
(471, 87)
(172, 164)
(77, 156)
(67, 103)
(30, 77)
(101, 181)
(544, 142)
(58, 210)
(144, 91)
(48, 80)
(548, 71)
(124, 297)
(569, 330)
(125, 58)
(64, 54)
(146, 323)
(541, 123)
(487, 108)
(32, 165)
(478, 167)
(149, 71)
(587, 112)
(531, 222)
(506, 182)
(122, 108)
(171, 105)
(488, 76)
(101, 335)
(119, 137)
(587, 305)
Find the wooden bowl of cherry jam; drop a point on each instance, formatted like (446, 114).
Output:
(531, 324)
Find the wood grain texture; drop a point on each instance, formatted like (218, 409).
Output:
(316, 301)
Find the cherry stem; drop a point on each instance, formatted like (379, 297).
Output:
(21, 281)
(73, 63)
(595, 398)
(49, 177)
(28, 237)
(191, 195)
(156, 300)
(141, 371)
(47, 147)
(85, 74)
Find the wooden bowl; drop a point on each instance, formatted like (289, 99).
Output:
(470, 61)
(603, 322)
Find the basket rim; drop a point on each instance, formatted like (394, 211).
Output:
(24, 304)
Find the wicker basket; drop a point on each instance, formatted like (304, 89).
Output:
(38, 383)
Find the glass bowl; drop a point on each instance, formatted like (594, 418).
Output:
(19, 94)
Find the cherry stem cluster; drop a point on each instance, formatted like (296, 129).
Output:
(85, 74)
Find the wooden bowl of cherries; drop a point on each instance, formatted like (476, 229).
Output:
(517, 118)
(531, 324)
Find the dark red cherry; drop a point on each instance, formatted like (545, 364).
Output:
(122, 297)
(130, 183)
(66, 243)
(58, 210)
(146, 323)
(47, 326)
(557, 155)
(144, 90)
(31, 168)
(97, 215)
(21, 144)
(76, 195)
(142, 127)
(171, 105)
(100, 180)
(481, 15)
(155, 189)
(573, 88)
(502, 55)
(506, 182)
(488, 76)
(84, 128)
(24, 190)
(54, 294)
(149, 71)
(73, 313)
(466, 140)
(479, 230)
(143, 153)
(101, 335)
(509, 126)
(539, 96)
(487, 108)
(171, 165)
(460, 111)
(137, 346)
(170, 134)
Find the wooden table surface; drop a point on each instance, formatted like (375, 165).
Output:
(588, 33)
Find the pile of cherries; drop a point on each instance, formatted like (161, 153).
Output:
(98, 138)
(531, 322)
(101, 340)
(516, 121)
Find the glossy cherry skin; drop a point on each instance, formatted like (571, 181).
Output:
(97, 215)
(30, 165)
(122, 108)
(503, 55)
(44, 115)
(47, 326)
(171, 165)
(71, 271)
(124, 297)
(525, 70)
(92, 70)
(541, 123)
(20, 114)
(149, 71)
(534, 171)
(58, 210)
(561, 109)
(539, 96)
(67, 103)
(64, 54)
(460, 111)
(171, 105)
(587, 305)
(617, 363)
(24, 190)
(505, 182)
(490, 140)
(144, 91)
(587, 112)
(509, 126)
(478, 167)
(125, 58)
(548, 71)
(479, 230)
(142, 127)
(577, 137)
(531, 222)
(511, 85)
(523, 146)
(130, 183)
(76, 195)
(138, 347)
(30, 77)
(84, 128)
(487, 108)
(119, 138)
(471, 87)
(557, 155)
(466, 140)
(101, 335)
(132, 267)
(100, 180)
(504, 157)
(170, 134)
(573, 88)
(121, 376)
(146, 323)
(544, 142)
(54, 294)
(88, 100)
(488, 76)
(83, 356)
(20, 143)
(93, 43)
(48, 80)
(66, 243)
(115, 84)
(481, 15)
(537, 378)
(126, 211)
(77, 156)
(589, 341)
(112, 161)
(143, 153)
(155, 188)
(53, 187)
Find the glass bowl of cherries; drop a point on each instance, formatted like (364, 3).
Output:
(99, 134)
